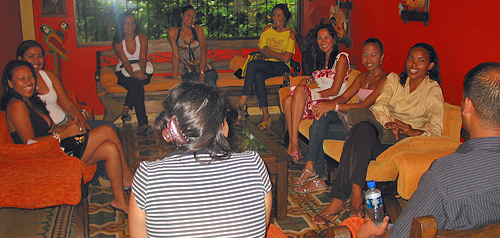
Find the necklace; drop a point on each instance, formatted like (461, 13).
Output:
(369, 78)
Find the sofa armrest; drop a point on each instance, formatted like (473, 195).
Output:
(42, 149)
(419, 143)
(413, 164)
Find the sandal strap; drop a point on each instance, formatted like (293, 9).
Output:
(317, 182)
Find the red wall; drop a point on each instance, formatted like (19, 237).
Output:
(464, 33)
(78, 71)
(11, 19)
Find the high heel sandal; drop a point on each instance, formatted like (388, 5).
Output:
(126, 117)
(295, 156)
(301, 189)
(310, 177)
(242, 110)
(115, 209)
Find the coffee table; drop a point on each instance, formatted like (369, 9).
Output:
(246, 136)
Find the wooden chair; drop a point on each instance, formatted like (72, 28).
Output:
(421, 227)
(426, 227)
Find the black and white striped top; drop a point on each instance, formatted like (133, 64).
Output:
(461, 190)
(184, 198)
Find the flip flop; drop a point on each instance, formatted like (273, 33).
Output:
(356, 212)
(263, 124)
(325, 219)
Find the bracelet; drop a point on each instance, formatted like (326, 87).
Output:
(308, 80)
(56, 136)
(337, 107)
(202, 72)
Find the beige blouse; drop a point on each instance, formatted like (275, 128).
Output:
(423, 108)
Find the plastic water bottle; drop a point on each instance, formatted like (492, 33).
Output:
(374, 203)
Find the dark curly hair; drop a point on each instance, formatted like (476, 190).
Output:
(433, 58)
(200, 112)
(8, 92)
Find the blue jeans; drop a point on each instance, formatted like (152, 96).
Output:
(257, 73)
(328, 126)
(211, 77)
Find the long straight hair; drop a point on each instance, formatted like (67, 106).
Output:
(120, 23)
(320, 55)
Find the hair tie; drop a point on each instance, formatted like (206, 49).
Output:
(172, 132)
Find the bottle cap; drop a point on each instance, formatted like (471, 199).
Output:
(371, 184)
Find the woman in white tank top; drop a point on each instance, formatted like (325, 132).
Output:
(132, 47)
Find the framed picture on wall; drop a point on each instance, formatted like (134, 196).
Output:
(53, 7)
(414, 10)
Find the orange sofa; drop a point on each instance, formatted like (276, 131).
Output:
(41, 175)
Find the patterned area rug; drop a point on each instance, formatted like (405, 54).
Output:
(301, 207)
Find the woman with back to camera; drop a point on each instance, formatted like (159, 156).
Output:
(277, 44)
(28, 120)
(188, 42)
(328, 123)
(331, 77)
(410, 104)
(132, 48)
(202, 188)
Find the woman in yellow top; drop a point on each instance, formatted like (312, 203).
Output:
(277, 45)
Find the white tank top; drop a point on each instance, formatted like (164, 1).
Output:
(129, 56)
(56, 112)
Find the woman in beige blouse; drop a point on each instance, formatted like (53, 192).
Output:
(410, 104)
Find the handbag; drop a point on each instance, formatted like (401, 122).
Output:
(242, 72)
(357, 115)
(135, 67)
(192, 67)
(75, 145)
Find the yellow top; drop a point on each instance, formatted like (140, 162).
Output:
(423, 108)
(277, 41)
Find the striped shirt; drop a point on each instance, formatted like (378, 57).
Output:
(185, 198)
(461, 190)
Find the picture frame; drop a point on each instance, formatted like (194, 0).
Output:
(53, 7)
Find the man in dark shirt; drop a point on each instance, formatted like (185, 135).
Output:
(461, 190)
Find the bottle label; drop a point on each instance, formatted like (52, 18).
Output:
(374, 203)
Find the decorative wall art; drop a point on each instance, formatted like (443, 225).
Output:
(341, 21)
(53, 7)
(55, 41)
(414, 10)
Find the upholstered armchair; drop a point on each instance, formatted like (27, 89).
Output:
(41, 175)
